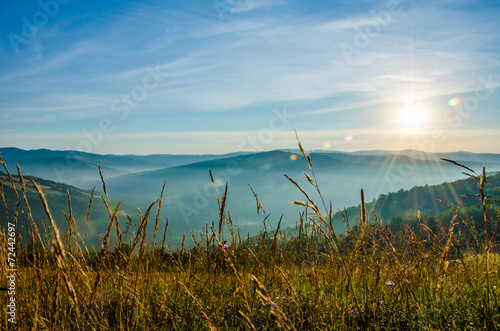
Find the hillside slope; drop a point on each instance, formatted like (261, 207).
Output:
(403, 206)
(57, 199)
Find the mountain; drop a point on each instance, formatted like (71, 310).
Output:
(75, 168)
(190, 198)
(179, 159)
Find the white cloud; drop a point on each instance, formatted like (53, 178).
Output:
(48, 63)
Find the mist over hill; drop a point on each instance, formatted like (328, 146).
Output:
(76, 168)
(190, 197)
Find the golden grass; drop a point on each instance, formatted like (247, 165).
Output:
(369, 278)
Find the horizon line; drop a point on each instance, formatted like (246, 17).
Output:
(286, 150)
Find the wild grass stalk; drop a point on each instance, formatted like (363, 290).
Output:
(59, 251)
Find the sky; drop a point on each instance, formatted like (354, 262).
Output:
(200, 77)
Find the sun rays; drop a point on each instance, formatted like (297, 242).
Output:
(412, 118)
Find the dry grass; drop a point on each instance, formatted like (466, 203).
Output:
(312, 279)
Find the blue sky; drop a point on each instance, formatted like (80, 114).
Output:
(201, 77)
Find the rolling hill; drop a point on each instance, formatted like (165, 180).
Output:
(76, 168)
(190, 198)
(57, 199)
(433, 202)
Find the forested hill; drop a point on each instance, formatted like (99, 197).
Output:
(57, 199)
(402, 206)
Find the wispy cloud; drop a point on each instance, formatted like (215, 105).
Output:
(262, 54)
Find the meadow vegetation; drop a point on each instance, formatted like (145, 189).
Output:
(375, 276)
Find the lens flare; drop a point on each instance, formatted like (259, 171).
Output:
(293, 157)
(266, 166)
(454, 102)
(327, 145)
(349, 138)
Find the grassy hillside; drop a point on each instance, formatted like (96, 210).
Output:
(372, 277)
(57, 196)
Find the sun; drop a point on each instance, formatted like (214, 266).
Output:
(412, 118)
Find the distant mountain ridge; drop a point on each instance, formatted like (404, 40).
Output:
(190, 197)
(76, 168)
(460, 156)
